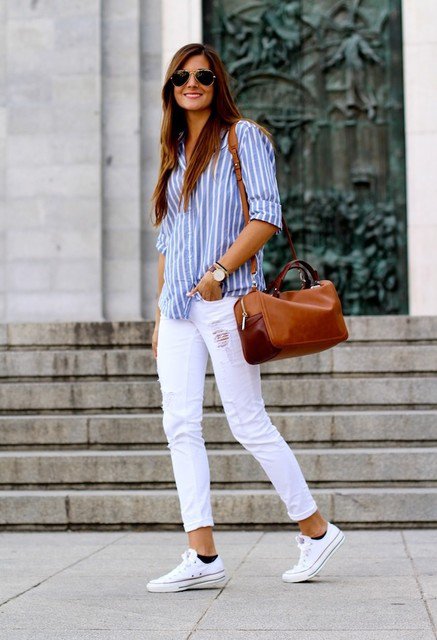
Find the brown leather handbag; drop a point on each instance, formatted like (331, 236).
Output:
(277, 324)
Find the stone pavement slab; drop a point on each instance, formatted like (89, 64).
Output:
(381, 585)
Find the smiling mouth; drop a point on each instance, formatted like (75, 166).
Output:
(192, 95)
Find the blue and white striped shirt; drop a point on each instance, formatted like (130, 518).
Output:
(194, 239)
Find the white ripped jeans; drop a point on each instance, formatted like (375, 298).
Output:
(183, 347)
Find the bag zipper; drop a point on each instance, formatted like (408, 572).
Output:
(245, 315)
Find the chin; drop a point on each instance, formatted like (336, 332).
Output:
(195, 107)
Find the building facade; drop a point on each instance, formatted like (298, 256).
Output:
(79, 133)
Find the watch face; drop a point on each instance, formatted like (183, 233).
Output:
(219, 275)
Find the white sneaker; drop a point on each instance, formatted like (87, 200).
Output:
(314, 554)
(191, 573)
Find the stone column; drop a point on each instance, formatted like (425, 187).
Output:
(121, 160)
(420, 90)
(166, 27)
(151, 55)
(2, 159)
(52, 98)
(181, 24)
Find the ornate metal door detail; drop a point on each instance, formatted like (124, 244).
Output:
(325, 77)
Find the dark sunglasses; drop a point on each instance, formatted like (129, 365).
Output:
(204, 76)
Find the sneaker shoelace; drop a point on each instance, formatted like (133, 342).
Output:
(188, 558)
(304, 545)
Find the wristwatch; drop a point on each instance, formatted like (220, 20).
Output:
(219, 273)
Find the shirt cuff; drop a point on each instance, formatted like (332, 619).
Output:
(267, 211)
(161, 246)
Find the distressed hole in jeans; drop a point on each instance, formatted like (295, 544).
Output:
(221, 337)
(227, 342)
(168, 398)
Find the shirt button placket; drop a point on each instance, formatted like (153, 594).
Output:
(188, 255)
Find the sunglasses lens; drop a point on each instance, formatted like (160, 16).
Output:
(179, 78)
(205, 76)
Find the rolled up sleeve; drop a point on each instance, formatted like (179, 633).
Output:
(161, 239)
(258, 167)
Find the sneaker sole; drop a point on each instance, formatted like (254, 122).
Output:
(302, 577)
(200, 584)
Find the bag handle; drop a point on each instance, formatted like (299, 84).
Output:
(233, 146)
(308, 276)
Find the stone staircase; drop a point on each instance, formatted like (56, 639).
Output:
(82, 445)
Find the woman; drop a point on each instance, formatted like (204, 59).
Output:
(203, 267)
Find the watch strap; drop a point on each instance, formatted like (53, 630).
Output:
(216, 266)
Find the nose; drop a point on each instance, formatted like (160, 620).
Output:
(192, 82)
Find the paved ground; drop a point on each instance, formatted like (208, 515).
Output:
(381, 585)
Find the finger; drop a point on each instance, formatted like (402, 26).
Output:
(193, 291)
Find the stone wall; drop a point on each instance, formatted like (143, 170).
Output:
(79, 127)
(51, 87)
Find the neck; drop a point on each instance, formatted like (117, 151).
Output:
(195, 122)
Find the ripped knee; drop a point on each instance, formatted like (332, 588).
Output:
(168, 400)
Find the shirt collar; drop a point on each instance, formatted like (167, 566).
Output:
(224, 138)
(181, 140)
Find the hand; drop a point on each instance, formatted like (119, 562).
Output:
(208, 288)
(155, 339)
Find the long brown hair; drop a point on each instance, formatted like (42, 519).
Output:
(224, 112)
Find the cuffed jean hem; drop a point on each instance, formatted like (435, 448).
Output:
(191, 526)
(305, 514)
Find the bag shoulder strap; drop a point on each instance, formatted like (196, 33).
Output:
(233, 148)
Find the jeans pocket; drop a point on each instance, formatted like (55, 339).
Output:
(213, 301)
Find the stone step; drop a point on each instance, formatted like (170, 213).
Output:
(76, 334)
(237, 467)
(359, 507)
(348, 392)
(320, 428)
(405, 359)
(361, 329)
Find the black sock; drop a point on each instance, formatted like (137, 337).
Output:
(319, 537)
(206, 559)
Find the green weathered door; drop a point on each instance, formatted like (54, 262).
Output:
(325, 76)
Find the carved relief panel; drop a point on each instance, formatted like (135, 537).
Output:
(325, 77)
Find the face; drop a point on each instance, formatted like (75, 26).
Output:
(194, 96)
